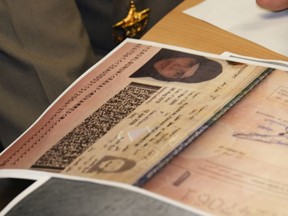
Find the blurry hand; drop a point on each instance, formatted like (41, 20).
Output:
(273, 5)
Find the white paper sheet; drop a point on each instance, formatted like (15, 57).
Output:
(280, 65)
(246, 19)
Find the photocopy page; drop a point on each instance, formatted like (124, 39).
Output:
(132, 112)
(239, 166)
(55, 194)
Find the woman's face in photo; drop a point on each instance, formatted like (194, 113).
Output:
(177, 68)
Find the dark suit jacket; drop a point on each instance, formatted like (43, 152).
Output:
(46, 45)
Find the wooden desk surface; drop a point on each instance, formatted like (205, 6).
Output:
(179, 29)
